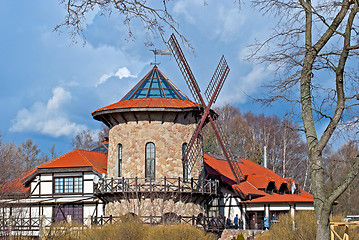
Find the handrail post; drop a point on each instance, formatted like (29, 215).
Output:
(112, 185)
(203, 184)
(151, 184)
(179, 184)
(136, 184)
(191, 184)
(165, 183)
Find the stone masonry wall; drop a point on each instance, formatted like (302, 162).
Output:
(168, 138)
(156, 207)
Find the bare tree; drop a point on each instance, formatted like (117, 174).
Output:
(15, 160)
(30, 156)
(249, 133)
(338, 164)
(314, 49)
(153, 16)
(9, 162)
(89, 139)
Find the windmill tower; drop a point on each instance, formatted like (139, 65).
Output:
(150, 131)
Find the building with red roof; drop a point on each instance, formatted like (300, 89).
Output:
(140, 170)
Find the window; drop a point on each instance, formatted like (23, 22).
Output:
(184, 163)
(61, 212)
(68, 185)
(150, 160)
(119, 160)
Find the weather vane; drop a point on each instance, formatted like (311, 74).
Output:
(159, 52)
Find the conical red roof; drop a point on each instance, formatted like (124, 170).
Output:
(155, 91)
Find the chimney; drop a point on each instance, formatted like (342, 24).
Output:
(265, 156)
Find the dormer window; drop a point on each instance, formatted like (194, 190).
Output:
(270, 187)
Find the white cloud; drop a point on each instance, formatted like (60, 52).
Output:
(229, 23)
(236, 91)
(47, 118)
(59, 96)
(122, 72)
(185, 6)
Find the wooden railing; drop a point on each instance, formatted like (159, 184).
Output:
(163, 185)
(25, 226)
(19, 225)
(209, 224)
(346, 225)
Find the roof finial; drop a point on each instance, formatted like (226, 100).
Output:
(159, 52)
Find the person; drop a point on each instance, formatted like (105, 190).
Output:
(228, 223)
(240, 223)
(266, 222)
(236, 220)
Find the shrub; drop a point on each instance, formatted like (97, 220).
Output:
(178, 232)
(129, 228)
(240, 236)
(304, 227)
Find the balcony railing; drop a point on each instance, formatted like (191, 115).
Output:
(160, 185)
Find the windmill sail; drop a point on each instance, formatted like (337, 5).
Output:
(195, 147)
(222, 71)
(185, 69)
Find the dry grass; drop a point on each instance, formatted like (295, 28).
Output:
(304, 228)
(128, 229)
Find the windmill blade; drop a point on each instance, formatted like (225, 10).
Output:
(217, 81)
(194, 149)
(185, 69)
(224, 143)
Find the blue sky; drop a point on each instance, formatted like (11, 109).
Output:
(49, 87)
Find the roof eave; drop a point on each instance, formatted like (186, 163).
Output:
(95, 114)
(38, 171)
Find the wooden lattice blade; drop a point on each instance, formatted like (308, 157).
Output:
(217, 81)
(185, 69)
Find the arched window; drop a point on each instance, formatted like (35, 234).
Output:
(119, 160)
(185, 163)
(150, 160)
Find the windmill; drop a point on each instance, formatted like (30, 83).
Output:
(211, 94)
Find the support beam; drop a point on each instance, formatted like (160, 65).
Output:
(124, 119)
(134, 115)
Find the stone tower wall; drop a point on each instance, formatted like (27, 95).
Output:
(155, 207)
(167, 130)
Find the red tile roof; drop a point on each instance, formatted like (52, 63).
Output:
(268, 198)
(15, 187)
(79, 158)
(255, 181)
(149, 103)
(75, 158)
